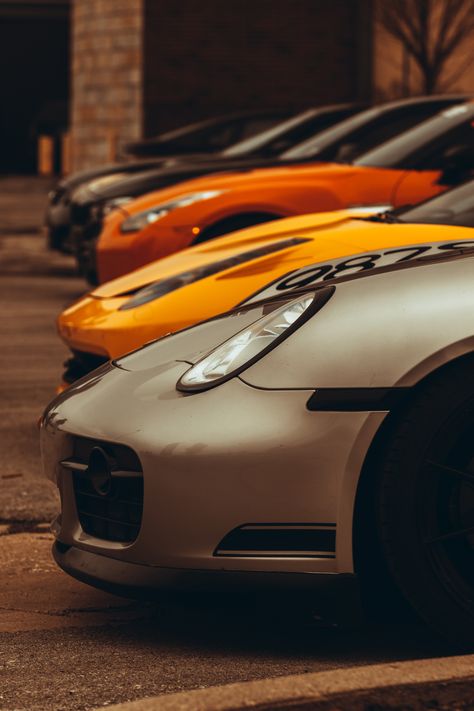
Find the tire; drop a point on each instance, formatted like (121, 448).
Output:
(234, 223)
(85, 254)
(424, 501)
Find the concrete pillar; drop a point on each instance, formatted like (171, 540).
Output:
(106, 101)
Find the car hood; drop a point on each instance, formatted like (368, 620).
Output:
(251, 180)
(140, 182)
(84, 176)
(307, 227)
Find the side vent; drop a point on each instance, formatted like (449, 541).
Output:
(280, 540)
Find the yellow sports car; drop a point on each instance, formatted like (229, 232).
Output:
(203, 281)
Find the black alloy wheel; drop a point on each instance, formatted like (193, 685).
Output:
(425, 503)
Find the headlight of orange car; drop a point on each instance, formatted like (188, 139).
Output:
(147, 217)
(165, 286)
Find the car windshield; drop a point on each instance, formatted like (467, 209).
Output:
(411, 149)
(254, 143)
(359, 134)
(287, 133)
(187, 130)
(453, 207)
(322, 140)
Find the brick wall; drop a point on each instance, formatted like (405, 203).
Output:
(106, 106)
(144, 66)
(210, 56)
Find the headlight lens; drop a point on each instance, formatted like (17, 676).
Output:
(165, 286)
(249, 345)
(147, 217)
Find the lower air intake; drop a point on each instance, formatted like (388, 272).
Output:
(310, 540)
(108, 488)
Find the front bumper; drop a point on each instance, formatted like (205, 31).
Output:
(97, 327)
(58, 226)
(336, 597)
(213, 462)
(142, 581)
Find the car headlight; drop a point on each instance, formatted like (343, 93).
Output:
(110, 205)
(100, 210)
(147, 217)
(165, 286)
(55, 195)
(252, 343)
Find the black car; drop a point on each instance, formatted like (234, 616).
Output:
(344, 141)
(89, 201)
(207, 137)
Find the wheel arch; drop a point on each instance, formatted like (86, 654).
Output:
(367, 558)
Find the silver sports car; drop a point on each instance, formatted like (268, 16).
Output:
(314, 441)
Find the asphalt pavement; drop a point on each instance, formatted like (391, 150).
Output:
(64, 645)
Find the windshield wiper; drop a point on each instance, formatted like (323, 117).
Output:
(389, 216)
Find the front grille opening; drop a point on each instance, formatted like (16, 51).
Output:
(306, 540)
(116, 515)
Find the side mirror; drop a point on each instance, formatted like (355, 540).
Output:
(457, 164)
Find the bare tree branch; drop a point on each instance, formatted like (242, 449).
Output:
(457, 73)
(430, 30)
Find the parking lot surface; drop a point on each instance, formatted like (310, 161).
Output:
(64, 645)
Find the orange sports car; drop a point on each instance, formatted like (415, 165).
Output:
(407, 169)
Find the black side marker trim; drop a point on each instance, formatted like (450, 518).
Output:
(356, 399)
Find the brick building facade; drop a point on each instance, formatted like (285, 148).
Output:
(111, 71)
(143, 66)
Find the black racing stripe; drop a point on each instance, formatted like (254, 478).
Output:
(356, 399)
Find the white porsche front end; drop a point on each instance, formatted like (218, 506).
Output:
(246, 472)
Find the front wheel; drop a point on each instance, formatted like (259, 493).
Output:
(425, 503)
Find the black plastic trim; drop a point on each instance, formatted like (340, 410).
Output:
(356, 399)
(280, 540)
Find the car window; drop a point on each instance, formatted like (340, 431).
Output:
(221, 137)
(358, 135)
(303, 131)
(454, 207)
(423, 144)
(381, 130)
(255, 143)
(254, 126)
(331, 136)
(279, 138)
(439, 153)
